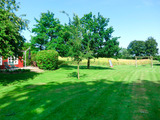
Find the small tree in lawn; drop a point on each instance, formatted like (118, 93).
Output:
(76, 46)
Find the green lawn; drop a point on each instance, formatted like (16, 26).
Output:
(102, 93)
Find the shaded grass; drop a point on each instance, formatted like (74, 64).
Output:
(6, 79)
(124, 92)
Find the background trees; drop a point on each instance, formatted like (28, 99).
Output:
(124, 54)
(97, 40)
(137, 48)
(11, 41)
(143, 48)
(151, 47)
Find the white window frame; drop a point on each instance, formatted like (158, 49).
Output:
(0, 60)
(12, 60)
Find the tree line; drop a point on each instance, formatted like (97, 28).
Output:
(85, 37)
(140, 48)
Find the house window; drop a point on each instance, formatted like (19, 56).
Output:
(0, 60)
(13, 60)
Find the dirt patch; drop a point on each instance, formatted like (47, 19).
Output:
(34, 69)
(40, 83)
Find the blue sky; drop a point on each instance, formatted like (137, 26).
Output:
(131, 19)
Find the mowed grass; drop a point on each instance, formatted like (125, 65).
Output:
(102, 93)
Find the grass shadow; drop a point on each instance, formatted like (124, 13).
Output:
(101, 100)
(71, 67)
(75, 75)
(156, 64)
(6, 79)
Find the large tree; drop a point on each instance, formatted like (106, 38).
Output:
(60, 44)
(151, 46)
(11, 41)
(45, 30)
(97, 37)
(50, 34)
(137, 48)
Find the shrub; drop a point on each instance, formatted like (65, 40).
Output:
(157, 58)
(47, 59)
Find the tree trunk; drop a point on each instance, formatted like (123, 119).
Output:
(88, 63)
(78, 70)
(40, 47)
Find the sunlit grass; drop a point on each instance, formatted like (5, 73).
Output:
(123, 92)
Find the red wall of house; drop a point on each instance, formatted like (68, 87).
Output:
(20, 63)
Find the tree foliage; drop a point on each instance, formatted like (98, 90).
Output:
(50, 34)
(47, 59)
(76, 47)
(124, 54)
(11, 41)
(60, 44)
(151, 46)
(97, 37)
(137, 48)
(45, 30)
(143, 48)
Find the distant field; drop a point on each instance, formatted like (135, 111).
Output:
(123, 92)
(104, 61)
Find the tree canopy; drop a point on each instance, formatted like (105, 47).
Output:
(50, 34)
(124, 54)
(11, 41)
(137, 48)
(45, 30)
(143, 48)
(97, 37)
(151, 47)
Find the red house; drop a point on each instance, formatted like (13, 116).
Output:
(17, 62)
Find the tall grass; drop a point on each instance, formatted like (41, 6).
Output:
(105, 61)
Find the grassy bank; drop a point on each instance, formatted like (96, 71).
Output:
(103, 93)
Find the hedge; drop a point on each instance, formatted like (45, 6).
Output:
(47, 59)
